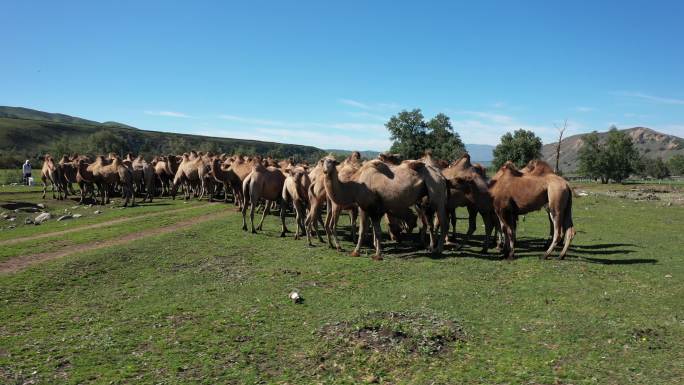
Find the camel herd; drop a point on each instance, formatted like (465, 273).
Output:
(402, 192)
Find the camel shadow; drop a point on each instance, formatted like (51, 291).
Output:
(23, 206)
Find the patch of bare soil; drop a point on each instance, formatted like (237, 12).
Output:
(22, 262)
(666, 195)
(385, 332)
(93, 226)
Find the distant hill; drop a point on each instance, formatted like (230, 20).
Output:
(482, 153)
(649, 142)
(27, 134)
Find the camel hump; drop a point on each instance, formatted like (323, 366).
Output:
(413, 164)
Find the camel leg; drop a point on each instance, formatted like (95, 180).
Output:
(363, 228)
(267, 210)
(243, 210)
(472, 222)
(486, 218)
(555, 218)
(327, 226)
(44, 186)
(282, 219)
(451, 218)
(251, 216)
(377, 236)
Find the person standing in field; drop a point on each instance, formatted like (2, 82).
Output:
(26, 172)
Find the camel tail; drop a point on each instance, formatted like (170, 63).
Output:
(568, 226)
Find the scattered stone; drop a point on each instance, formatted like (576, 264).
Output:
(12, 219)
(296, 297)
(42, 206)
(42, 218)
(11, 226)
(74, 207)
(5, 216)
(77, 215)
(64, 217)
(668, 275)
(97, 212)
(28, 221)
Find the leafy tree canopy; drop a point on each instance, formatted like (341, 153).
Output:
(520, 147)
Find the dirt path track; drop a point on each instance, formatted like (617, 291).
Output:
(19, 263)
(93, 226)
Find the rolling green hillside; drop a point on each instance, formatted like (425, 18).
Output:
(27, 134)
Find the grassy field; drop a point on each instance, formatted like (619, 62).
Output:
(192, 299)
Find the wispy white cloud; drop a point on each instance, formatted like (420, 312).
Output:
(370, 106)
(584, 109)
(651, 98)
(499, 104)
(355, 103)
(485, 127)
(344, 126)
(298, 136)
(173, 114)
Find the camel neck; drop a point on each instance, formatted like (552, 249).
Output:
(341, 193)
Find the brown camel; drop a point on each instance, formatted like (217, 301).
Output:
(317, 197)
(143, 176)
(263, 183)
(68, 166)
(227, 177)
(378, 189)
(165, 168)
(52, 172)
(85, 180)
(515, 193)
(295, 191)
(468, 188)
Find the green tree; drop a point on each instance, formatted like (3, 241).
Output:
(621, 155)
(614, 158)
(444, 142)
(654, 168)
(676, 165)
(408, 132)
(520, 147)
(592, 159)
(104, 142)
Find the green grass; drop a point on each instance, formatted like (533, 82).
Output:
(9, 176)
(209, 304)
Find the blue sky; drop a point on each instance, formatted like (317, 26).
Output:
(330, 75)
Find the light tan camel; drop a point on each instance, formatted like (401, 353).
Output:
(52, 172)
(143, 176)
(192, 170)
(242, 167)
(515, 193)
(107, 174)
(346, 171)
(165, 168)
(378, 189)
(295, 191)
(263, 183)
(317, 197)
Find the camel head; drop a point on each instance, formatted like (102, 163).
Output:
(330, 165)
(394, 159)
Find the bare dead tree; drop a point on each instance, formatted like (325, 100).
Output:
(561, 130)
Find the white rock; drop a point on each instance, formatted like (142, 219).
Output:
(295, 297)
(12, 219)
(97, 212)
(42, 206)
(42, 218)
(77, 215)
(63, 217)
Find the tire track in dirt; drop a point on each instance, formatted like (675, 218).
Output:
(19, 263)
(95, 225)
